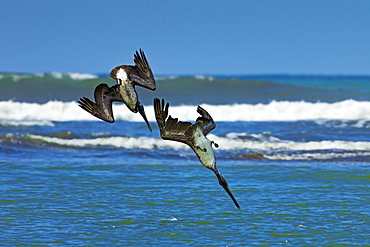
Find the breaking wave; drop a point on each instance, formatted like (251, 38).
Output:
(232, 146)
(273, 111)
(55, 75)
(225, 143)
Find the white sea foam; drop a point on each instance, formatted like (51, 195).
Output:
(119, 142)
(224, 144)
(26, 123)
(57, 75)
(172, 77)
(274, 111)
(261, 137)
(315, 156)
(78, 76)
(203, 77)
(359, 123)
(51, 111)
(19, 77)
(73, 76)
(239, 144)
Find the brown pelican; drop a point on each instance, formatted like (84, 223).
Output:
(127, 78)
(193, 135)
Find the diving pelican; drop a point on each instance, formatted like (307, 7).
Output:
(194, 135)
(127, 77)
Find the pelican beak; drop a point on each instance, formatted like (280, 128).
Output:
(224, 184)
(142, 113)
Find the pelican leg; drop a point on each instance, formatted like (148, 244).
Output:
(202, 149)
(215, 144)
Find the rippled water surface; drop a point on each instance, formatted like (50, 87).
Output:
(83, 198)
(295, 151)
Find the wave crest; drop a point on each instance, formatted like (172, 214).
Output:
(225, 143)
(273, 111)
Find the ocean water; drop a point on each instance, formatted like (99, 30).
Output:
(295, 151)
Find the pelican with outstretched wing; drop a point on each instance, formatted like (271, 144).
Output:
(127, 77)
(194, 135)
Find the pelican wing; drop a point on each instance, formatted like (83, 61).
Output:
(102, 107)
(170, 128)
(208, 123)
(142, 74)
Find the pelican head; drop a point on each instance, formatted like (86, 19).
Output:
(119, 74)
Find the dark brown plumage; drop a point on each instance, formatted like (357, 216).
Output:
(127, 77)
(194, 135)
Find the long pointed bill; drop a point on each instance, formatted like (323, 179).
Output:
(224, 184)
(142, 113)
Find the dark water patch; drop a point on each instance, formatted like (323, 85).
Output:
(189, 90)
(292, 156)
(65, 135)
(40, 89)
(192, 90)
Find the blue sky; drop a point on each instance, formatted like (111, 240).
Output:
(186, 37)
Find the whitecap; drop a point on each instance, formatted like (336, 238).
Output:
(79, 76)
(203, 77)
(315, 156)
(57, 75)
(116, 141)
(18, 77)
(161, 78)
(224, 143)
(26, 123)
(274, 111)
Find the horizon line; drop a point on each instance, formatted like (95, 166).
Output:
(204, 74)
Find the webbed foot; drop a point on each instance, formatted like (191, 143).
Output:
(215, 144)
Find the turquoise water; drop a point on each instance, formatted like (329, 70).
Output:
(296, 157)
(86, 201)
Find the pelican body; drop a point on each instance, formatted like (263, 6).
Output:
(203, 148)
(194, 135)
(127, 77)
